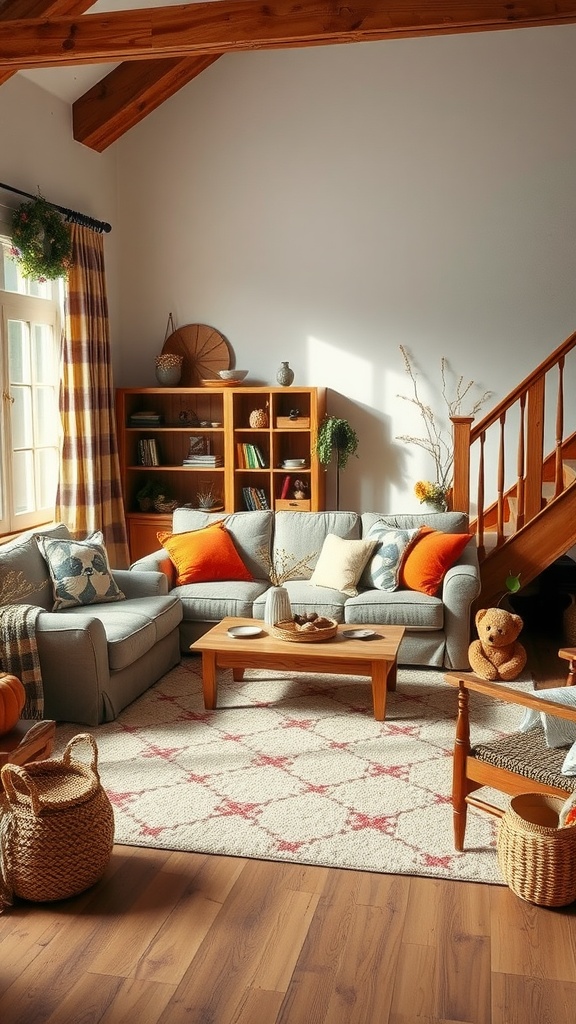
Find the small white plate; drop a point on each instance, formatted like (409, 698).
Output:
(294, 464)
(246, 632)
(358, 634)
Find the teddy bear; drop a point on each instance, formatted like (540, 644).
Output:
(497, 653)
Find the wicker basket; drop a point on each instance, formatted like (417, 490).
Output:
(288, 630)
(537, 859)
(165, 506)
(56, 829)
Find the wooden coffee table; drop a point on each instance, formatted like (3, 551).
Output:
(375, 658)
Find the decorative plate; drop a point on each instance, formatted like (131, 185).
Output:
(358, 634)
(244, 632)
(205, 351)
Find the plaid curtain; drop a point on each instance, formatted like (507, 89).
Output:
(89, 495)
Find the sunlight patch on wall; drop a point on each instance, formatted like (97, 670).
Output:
(331, 367)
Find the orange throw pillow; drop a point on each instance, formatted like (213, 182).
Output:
(204, 556)
(429, 559)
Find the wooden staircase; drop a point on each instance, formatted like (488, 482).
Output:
(515, 475)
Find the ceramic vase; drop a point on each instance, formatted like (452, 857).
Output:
(441, 505)
(277, 607)
(285, 375)
(169, 369)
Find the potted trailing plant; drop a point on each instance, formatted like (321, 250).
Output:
(336, 437)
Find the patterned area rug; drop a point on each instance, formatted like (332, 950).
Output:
(296, 768)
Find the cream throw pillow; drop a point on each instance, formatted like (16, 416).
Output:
(341, 563)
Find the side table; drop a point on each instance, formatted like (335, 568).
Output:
(27, 741)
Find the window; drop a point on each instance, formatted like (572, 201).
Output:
(30, 321)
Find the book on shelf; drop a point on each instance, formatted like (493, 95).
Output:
(148, 454)
(255, 499)
(285, 486)
(250, 456)
(198, 446)
(263, 500)
(260, 460)
(206, 461)
(145, 418)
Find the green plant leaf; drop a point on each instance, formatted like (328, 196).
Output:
(513, 583)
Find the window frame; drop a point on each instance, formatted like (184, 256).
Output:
(33, 310)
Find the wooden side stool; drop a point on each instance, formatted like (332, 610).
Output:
(569, 655)
(27, 741)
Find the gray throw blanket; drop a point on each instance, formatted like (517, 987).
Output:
(19, 653)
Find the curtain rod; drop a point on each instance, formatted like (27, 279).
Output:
(71, 215)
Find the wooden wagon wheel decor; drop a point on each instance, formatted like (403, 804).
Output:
(205, 351)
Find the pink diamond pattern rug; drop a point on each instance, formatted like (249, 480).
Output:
(295, 768)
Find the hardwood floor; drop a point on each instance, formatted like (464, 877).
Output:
(173, 937)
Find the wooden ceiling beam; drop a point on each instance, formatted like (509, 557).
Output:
(17, 9)
(194, 30)
(128, 94)
(123, 97)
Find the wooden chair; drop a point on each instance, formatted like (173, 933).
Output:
(569, 655)
(518, 763)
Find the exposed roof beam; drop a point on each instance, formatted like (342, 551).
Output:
(123, 97)
(128, 94)
(12, 9)
(227, 25)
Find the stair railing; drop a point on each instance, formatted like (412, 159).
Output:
(506, 451)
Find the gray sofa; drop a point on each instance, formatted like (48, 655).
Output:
(95, 659)
(437, 628)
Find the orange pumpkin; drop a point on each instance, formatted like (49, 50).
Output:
(12, 700)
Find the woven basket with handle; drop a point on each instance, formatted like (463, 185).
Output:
(537, 859)
(56, 826)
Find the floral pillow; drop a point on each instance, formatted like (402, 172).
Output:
(79, 570)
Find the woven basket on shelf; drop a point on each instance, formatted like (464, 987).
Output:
(165, 506)
(537, 859)
(288, 630)
(56, 827)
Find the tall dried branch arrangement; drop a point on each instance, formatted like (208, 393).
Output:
(283, 567)
(435, 441)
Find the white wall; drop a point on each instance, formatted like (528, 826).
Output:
(326, 205)
(39, 153)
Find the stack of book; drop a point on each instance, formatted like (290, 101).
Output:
(204, 461)
(255, 498)
(145, 418)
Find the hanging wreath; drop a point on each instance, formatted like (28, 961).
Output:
(41, 242)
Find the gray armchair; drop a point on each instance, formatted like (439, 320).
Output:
(94, 659)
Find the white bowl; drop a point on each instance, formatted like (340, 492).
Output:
(294, 463)
(233, 374)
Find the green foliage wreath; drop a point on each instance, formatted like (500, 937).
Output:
(41, 242)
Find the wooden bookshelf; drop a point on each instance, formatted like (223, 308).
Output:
(243, 466)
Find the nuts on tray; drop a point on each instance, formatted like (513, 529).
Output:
(311, 620)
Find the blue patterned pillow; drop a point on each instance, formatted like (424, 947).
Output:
(382, 571)
(79, 570)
